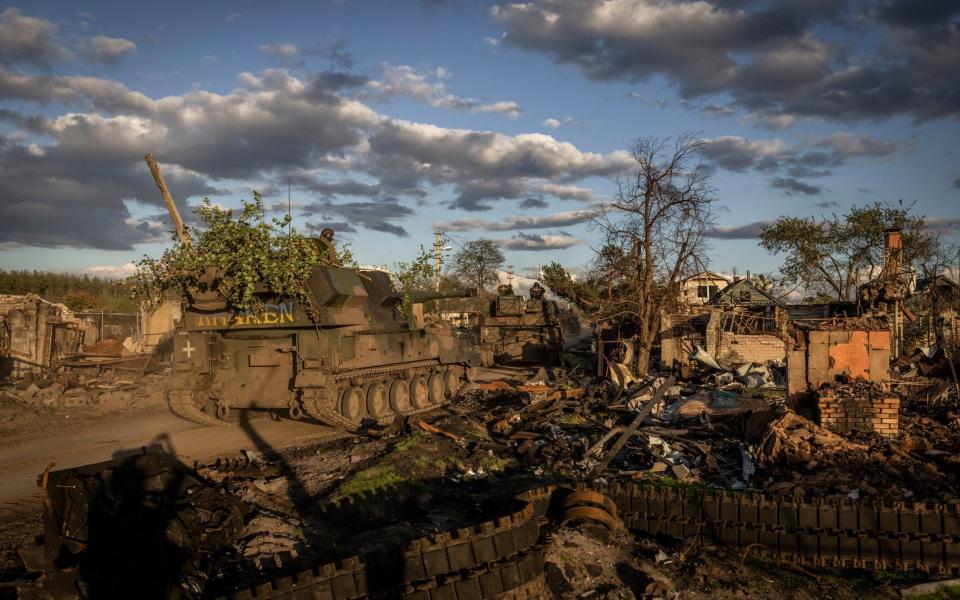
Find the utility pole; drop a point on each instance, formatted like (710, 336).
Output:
(437, 257)
(510, 275)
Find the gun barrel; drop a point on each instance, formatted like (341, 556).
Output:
(418, 296)
(167, 198)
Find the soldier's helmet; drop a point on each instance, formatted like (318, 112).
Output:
(536, 290)
(327, 234)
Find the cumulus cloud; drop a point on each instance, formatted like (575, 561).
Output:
(112, 271)
(561, 219)
(767, 57)
(28, 39)
(107, 50)
(551, 123)
(481, 165)
(537, 243)
(429, 88)
(273, 127)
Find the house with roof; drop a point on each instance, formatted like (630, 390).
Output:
(743, 292)
(699, 288)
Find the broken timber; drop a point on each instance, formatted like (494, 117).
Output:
(634, 425)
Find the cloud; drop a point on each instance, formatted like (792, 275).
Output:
(534, 203)
(740, 154)
(815, 157)
(429, 88)
(561, 219)
(827, 204)
(284, 50)
(748, 231)
(943, 226)
(480, 165)
(107, 50)
(956, 183)
(112, 271)
(793, 187)
(767, 58)
(73, 196)
(376, 216)
(551, 123)
(273, 127)
(28, 39)
(537, 243)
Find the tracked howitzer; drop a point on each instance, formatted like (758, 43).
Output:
(353, 355)
(519, 330)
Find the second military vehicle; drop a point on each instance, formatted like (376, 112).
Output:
(519, 330)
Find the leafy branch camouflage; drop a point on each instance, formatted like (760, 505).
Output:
(232, 259)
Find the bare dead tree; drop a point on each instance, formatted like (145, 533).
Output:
(654, 236)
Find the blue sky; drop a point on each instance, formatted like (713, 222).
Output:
(507, 121)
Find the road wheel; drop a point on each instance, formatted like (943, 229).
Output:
(377, 404)
(352, 404)
(400, 396)
(419, 396)
(436, 388)
(451, 382)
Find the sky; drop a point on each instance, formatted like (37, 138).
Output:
(389, 120)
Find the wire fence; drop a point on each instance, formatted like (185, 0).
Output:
(117, 326)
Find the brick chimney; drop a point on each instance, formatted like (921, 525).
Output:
(893, 252)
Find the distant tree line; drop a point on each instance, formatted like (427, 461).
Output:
(78, 292)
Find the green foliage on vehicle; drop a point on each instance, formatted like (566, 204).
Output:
(233, 259)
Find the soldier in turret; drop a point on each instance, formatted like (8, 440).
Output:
(326, 248)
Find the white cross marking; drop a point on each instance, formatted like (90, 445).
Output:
(189, 350)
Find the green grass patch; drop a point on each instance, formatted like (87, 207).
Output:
(494, 463)
(368, 480)
(410, 442)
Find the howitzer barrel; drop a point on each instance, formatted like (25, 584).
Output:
(418, 296)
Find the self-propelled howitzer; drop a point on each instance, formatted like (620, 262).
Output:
(350, 354)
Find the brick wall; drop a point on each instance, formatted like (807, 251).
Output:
(740, 348)
(842, 414)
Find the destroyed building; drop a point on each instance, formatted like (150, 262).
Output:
(35, 334)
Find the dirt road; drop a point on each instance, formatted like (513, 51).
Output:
(123, 434)
(95, 439)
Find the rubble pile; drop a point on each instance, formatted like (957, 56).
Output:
(703, 435)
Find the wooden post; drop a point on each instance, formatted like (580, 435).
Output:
(167, 199)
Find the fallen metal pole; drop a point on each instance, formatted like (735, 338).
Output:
(634, 425)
